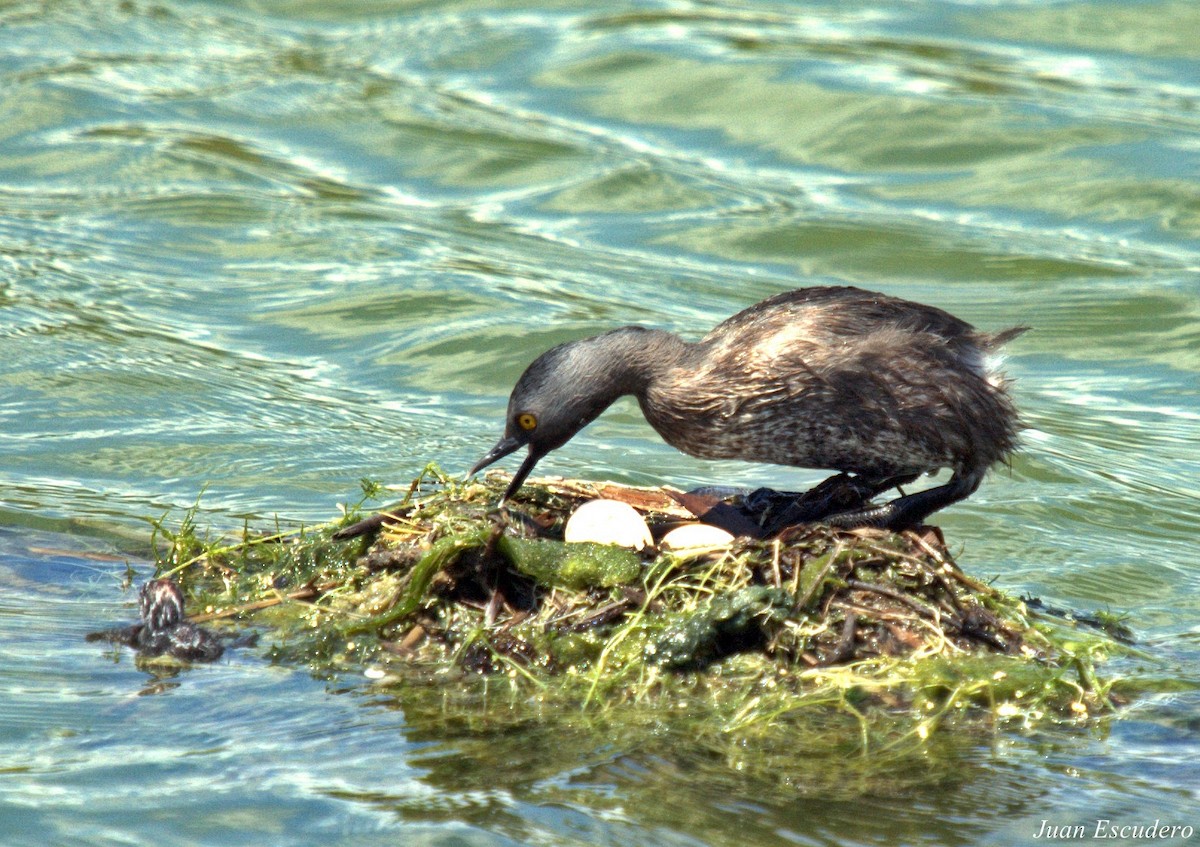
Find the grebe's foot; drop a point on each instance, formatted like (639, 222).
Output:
(911, 509)
(841, 494)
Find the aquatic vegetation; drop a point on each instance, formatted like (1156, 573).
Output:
(879, 632)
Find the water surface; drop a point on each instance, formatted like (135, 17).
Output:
(265, 249)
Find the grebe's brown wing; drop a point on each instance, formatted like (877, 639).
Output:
(843, 310)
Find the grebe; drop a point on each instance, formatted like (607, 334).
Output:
(878, 388)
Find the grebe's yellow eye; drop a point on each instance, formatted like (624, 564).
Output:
(527, 421)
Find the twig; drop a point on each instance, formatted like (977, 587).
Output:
(844, 649)
(306, 593)
(600, 616)
(924, 609)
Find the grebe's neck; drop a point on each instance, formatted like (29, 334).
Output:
(624, 361)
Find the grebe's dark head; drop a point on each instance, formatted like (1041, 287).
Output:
(565, 389)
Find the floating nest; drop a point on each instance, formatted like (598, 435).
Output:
(884, 629)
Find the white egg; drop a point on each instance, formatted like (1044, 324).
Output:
(695, 538)
(608, 522)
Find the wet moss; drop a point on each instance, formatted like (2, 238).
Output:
(882, 630)
(729, 623)
(576, 566)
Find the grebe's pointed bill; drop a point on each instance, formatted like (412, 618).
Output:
(519, 476)
(503, 447)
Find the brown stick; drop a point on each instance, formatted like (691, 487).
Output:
(844, 649)
(927, 611)
(306, 593)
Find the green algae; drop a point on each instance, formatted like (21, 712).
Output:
(440, 554)
(577, 566)
(696, 637)
(879, 635)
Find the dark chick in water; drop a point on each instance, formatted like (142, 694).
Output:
(880, 389)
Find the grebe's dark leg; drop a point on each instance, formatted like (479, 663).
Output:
(881, 485)
(842, 493)
(911, 509)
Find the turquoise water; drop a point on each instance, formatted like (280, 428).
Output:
(264, 249)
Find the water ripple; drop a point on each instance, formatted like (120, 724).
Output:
(272, 249)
